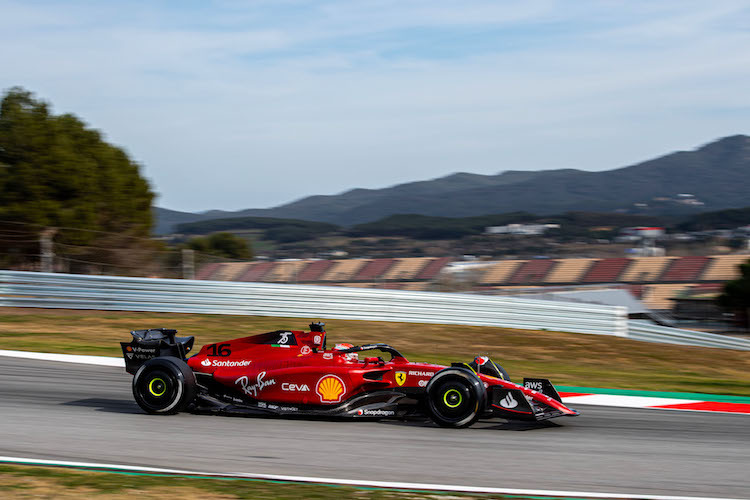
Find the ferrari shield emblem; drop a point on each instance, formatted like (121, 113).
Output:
(400, 378)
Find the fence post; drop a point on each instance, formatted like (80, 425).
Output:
(188, 264)
(621, 322)
(47, 253)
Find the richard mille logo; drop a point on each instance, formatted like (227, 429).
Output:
(508, 401)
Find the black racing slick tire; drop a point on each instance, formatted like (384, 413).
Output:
(455, 397)
(164, 385)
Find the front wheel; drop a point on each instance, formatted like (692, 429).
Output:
(164, 385)
(455, 397)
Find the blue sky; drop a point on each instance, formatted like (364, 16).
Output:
(250, 104)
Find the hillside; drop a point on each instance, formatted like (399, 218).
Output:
(717, 174)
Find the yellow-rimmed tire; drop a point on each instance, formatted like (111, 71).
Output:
(455, 397)
(164, 385)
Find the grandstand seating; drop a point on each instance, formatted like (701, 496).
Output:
(343, 270)
(356, 284)
(374, 269)
(568, 271)
(313, 270)
(645, 269)
(653, 279)
(684, 269)
(532, 271)
(636, 290)
(284, 272)
(256, 271)
(723, 267)
(500, 271)
(432, 268)
(230, 271)
(707, 287)
(406, 269)
(657, 296)
(416, 286)
(207, 271)
(512, 288)
(392, 285)
(606, 270)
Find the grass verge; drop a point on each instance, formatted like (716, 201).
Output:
(566, 358)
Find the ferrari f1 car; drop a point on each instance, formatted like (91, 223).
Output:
(293, 373)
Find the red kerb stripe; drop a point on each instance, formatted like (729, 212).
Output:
(710, 406)
(572, 394)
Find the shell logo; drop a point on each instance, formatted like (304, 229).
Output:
(330, 388)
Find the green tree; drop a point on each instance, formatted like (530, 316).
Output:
(736, 294)
(56, 172)
(222, 245)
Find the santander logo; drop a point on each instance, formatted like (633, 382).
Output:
(216, 363)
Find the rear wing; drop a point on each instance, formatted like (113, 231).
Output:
(152, 343)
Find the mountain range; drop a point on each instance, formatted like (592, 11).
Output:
(717, 174)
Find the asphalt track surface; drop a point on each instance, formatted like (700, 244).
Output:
(62, 411)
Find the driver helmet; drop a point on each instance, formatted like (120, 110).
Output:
(350, 356)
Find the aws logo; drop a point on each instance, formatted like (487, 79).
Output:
(330, 388)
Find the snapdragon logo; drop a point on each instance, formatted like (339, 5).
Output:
(376, 413)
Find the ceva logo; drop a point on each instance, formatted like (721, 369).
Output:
(286, 386)
(330, 389)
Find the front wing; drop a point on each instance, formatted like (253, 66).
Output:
(513, 404)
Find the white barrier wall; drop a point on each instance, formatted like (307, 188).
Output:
(28, 289)
(72, 291)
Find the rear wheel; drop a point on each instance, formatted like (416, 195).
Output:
(164, 385)
(455, 397)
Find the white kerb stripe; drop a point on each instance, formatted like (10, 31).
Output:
(621, 401)
(65, 358)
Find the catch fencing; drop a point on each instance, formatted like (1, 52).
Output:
(70, 291)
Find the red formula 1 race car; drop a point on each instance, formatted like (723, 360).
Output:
(292, 373)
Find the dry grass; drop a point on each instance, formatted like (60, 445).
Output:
(25, 482)
(566, 358)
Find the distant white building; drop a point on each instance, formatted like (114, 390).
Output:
(521, 229)
(688, 199)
